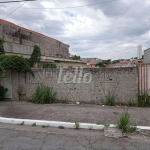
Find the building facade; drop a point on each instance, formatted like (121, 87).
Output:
(20, 41)
(147, 56)
(139, 51)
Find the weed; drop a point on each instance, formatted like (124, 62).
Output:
(34, 124)
(65, 101)
(44, 126)
(124, 123)
(43, 95)
(143, 99)
(77, 125)
(22, 123)
(110, 100)
(132, 103)
(61, 127)
(90, 127)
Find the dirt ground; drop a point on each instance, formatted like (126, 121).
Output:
(70, 112)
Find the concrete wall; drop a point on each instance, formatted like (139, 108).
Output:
(89, 85)
(19, 40)
(147, 56)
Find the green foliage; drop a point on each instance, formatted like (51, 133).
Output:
(132, 103)
(2, 47)
(43, 95)
(143, 99)
(110, 100)
(34, 124)
(35, 57)
(14, 62)
(22, 123)
(49, 65)
(75, 57)
(103, 63)
(124, 123)
(77, 125)
(61, 127)
(2, 92)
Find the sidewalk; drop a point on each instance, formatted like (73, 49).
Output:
(70, 112)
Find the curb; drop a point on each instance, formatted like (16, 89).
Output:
(58, 123)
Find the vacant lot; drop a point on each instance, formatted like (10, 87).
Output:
(71, 112)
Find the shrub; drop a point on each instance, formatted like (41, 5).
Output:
(35, 56)
(110, 100)
(143, 100)
(49, 65)
(124, 123)
(43, 95)
(2, 92)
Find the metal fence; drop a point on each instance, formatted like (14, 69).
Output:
(144, 78)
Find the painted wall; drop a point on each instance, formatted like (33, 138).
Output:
(87, 85)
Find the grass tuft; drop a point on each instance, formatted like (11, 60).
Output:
(124, 123)
(43, 95)
(143, 99)
(77, 125)
(110, 100)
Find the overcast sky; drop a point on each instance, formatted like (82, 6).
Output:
(107, 31)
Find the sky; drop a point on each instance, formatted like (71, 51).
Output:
(110, 30)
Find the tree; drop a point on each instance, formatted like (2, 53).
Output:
(103, 63)
(2, 47)
(35, 56)
(75, 57)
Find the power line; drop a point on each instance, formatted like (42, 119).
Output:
(17, 1)
(72, 6)
(14, 10)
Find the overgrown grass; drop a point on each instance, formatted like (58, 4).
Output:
(110, 100)
(124, 123)
(143, 99)
(43, 95)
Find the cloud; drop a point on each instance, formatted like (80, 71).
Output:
(110, 30)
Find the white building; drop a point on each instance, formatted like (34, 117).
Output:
(139, 51)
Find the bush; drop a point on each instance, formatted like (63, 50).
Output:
(124, 123)
(49, 65)
(2, 92)
(110, 100)
(143, 100)
(15, 62)
(43, 95)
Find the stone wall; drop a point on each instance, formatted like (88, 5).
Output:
(21, 41)
(86, 85)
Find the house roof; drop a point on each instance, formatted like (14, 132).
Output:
(122, 63)
(43, 58)
(12, 24)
